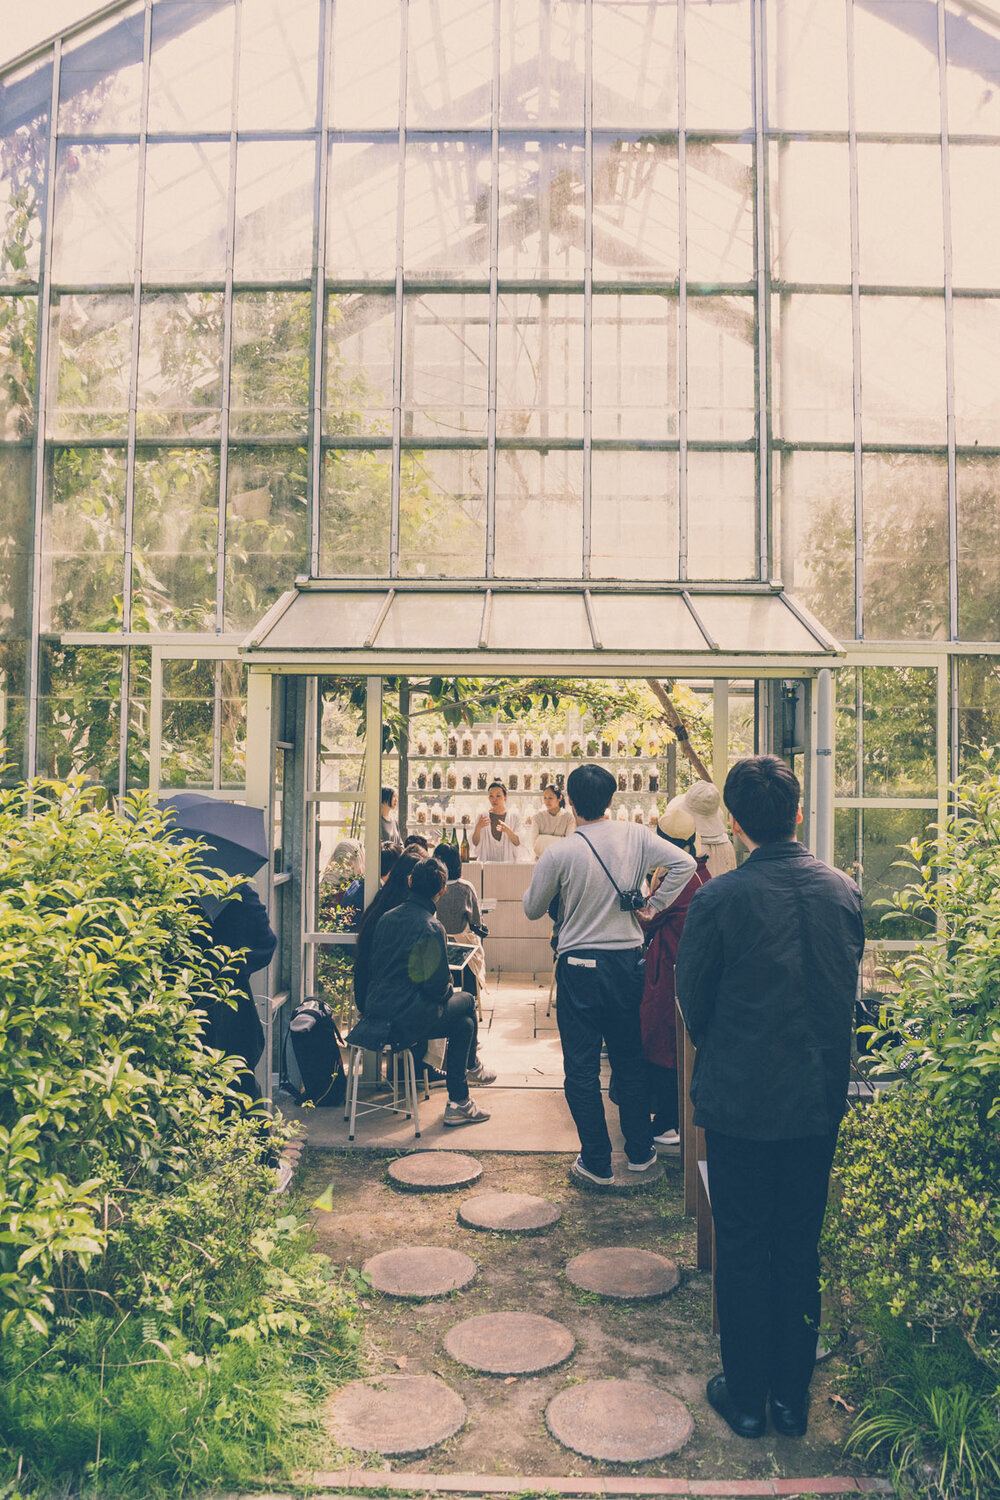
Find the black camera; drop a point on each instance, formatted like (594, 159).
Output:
(632, 900)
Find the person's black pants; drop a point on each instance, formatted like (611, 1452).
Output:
(768, 1200)
(598, 992)
(458, 1025)
(661, 1086)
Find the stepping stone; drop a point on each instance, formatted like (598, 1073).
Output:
(434, 1171)
(624, 1180)
(509, 1343)
(638, 1274)
(619, 1421)
(508, 1213)
(420, 1271)
(394, 1414)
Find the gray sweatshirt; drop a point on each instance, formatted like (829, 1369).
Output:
(591, 916)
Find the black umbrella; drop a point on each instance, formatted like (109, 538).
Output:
(234, 835)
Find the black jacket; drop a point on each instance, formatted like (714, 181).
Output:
(241, 922)
(767, 976)
(409, 980)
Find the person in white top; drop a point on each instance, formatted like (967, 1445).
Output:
(554, 821)
(498, 835)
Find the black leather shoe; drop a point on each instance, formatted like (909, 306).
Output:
(744, 1425)
(790, 1421)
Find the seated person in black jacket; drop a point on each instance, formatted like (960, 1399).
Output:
(409, 990)
(239, 923)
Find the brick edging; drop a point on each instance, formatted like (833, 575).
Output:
(403, 1481)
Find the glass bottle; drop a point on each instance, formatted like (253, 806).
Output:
(422, 741)
(466, 741)
(451, 779)
(421, 780)
(622, 813)
(543, 780)
(482, 781)
(637, 781)
(512, 781)
(528, 743)
(654, 780)
(593, 746)
(466, 782)
(559, 743)
(464, 848)
(483, 744)
(436, 779)
(545, 742)
(513, 745)
(622, 780)
(437, 743)
(605, 747)
(452, 742)
(529, 777)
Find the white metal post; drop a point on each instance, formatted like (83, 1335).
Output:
(720, 731)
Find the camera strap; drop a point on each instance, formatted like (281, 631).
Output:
(619, 893)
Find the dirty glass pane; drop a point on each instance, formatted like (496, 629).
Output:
(180, 364)
(719, 65)
(540, 366)
(270, 364)
(175, 537)
(184, 228)
(634, 369)
(91, 353)
(899, 736)
(24, 148)
(279, 55)
(449, 72)
(846, 710)
(978, 706)
(899, 214)
(233, 708)
(361, 234)
(359, 335)
(267, 529)
(442, 514)
(978, 548)
(95, 213)
(13, 705)
(191, 66)
(635, 207)
(816, 510)
(635, 64)
(354, 515)
(274, 210)
(974, 194)
(447, 212)
(813, 348)
(83, 540)
(539, 514)
(720, 368)
(79, 712)
(976, 333)
(188, 739)
(807, 54)
(541, 206)
(15, 541)
(137, 745)
(895, 66)
(365, 59)
(905, 499)
(811, 211)
(972, 40)
(722, 516)
(445, 364)
(846, 841)
(719, 212)
(542, 62)
(100, 78)
(886, 867)
(18, 336)
(633, 515)
(902, 369)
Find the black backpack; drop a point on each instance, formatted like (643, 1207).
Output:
(316, 1042)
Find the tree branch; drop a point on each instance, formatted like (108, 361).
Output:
(678, 726)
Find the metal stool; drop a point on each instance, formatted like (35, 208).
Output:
(402, 1104)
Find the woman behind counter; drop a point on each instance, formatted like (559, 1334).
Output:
(554, 820)
(497, 836)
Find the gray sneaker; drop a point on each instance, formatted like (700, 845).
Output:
(481, 1074)
(468, 1113)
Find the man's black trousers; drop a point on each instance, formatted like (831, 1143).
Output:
(768, 1200)
(597, 998)
(458, 1024)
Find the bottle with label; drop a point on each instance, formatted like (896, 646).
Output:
(464, 848)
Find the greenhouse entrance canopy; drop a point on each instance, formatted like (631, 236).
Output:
(529, 629)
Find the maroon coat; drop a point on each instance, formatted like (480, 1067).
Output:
(657, 1013)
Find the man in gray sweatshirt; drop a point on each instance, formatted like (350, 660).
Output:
(597, 873)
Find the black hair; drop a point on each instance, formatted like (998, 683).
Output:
(428, 879)
(388, 792)
(388, 896)
(591, 789)
(557, 792)
(416, 841)
(387, 857)
(762, 794)
(450, 856)
(499, 784)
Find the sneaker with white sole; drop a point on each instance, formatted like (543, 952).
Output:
(582, 1171)
(643, 1166)
(481, 1074)
(668, 1138)
(468, 1113)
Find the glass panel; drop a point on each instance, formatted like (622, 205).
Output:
(94, 238)
(634, 367)
(662, 621)
(540, 366)
(315, 620)
(814, 368)
(542, 69)
(633, 515)
(635, 207)
(978, 549)
(846, 709)
(741, 622)
(425, 621)
(972, 45)
(233, 709)
(978, 705)
(184, 228)
(447, 212)
(895, 66)
(83, 540)
(18, 328)
(807, 53)
(974, 191)
(187, 743)
(100, 79)
(906, 547)
(359, 335)
(899, 736)
(719, 65)
(274, 209)
(816, 506)
(354, 519)
(719, 212)
(24, 150)
(810, 211)
(902, 369)
(191, 73)
(449, 73)
(270, 373)
(565, 616)
(846, 841)
(92, 355)
(635, 64)
(365, 57)
(976, 332)
(442, 515)
(722, 516)
(720, 368)
(279, 54)
(886, 867)
(445, 365)
(13, 710)
(15, 541)
(180, 364)
(899, 214)
(267, 529)
(539, 515)
(137, 750)
(541, 206)
(361, 234)
(79, 712)
(175, 538)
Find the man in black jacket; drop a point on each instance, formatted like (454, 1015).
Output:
(767, 976)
